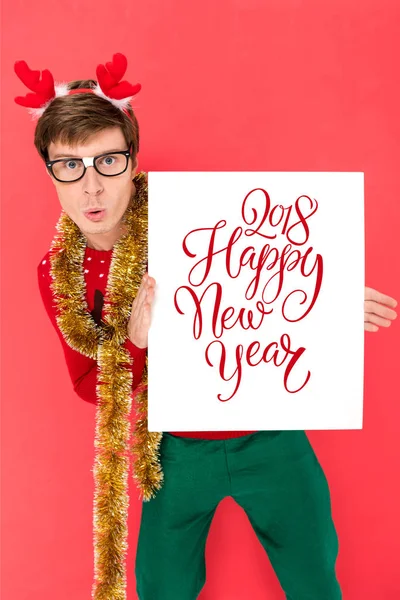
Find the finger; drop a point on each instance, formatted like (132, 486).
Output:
(379, 309)
(370, 318)
(148, 313)
(140, 318)
(150, 294)
(370, 327)
(141, 293)
(371, 294)
(145, 318)
(142, 286)
(140, 315)
(151, 283)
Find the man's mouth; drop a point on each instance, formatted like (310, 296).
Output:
(95, 214)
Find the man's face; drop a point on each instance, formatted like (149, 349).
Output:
(95, 191)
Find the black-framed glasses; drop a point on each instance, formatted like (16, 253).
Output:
(108, 164)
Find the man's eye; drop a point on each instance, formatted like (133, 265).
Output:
(68, 163)
(108, 160)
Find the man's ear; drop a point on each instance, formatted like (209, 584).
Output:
(135, 166)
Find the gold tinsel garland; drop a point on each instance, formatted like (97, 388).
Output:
(114, 383)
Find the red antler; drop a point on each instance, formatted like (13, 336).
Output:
(43, 88)
(110, 75)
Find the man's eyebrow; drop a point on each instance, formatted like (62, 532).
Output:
(64, 155)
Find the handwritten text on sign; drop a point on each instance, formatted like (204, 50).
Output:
(248, 268)
(259, 218)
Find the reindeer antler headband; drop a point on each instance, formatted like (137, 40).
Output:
(109, 86)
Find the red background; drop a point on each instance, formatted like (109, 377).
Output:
(285, 85)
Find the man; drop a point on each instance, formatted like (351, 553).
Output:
(90, 150)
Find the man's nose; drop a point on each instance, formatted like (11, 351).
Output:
(92, 180)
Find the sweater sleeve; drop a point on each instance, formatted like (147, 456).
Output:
(83, 369)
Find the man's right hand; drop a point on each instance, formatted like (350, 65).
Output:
(140, 319)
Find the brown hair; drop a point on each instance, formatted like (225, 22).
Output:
(73, 119)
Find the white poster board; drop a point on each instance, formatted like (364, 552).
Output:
(258, 316)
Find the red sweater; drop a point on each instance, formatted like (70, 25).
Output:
(81, 368)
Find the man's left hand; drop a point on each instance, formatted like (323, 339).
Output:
(378, 310)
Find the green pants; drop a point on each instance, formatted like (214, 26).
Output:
(275, 477)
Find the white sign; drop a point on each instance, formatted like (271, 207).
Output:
(258, 317)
